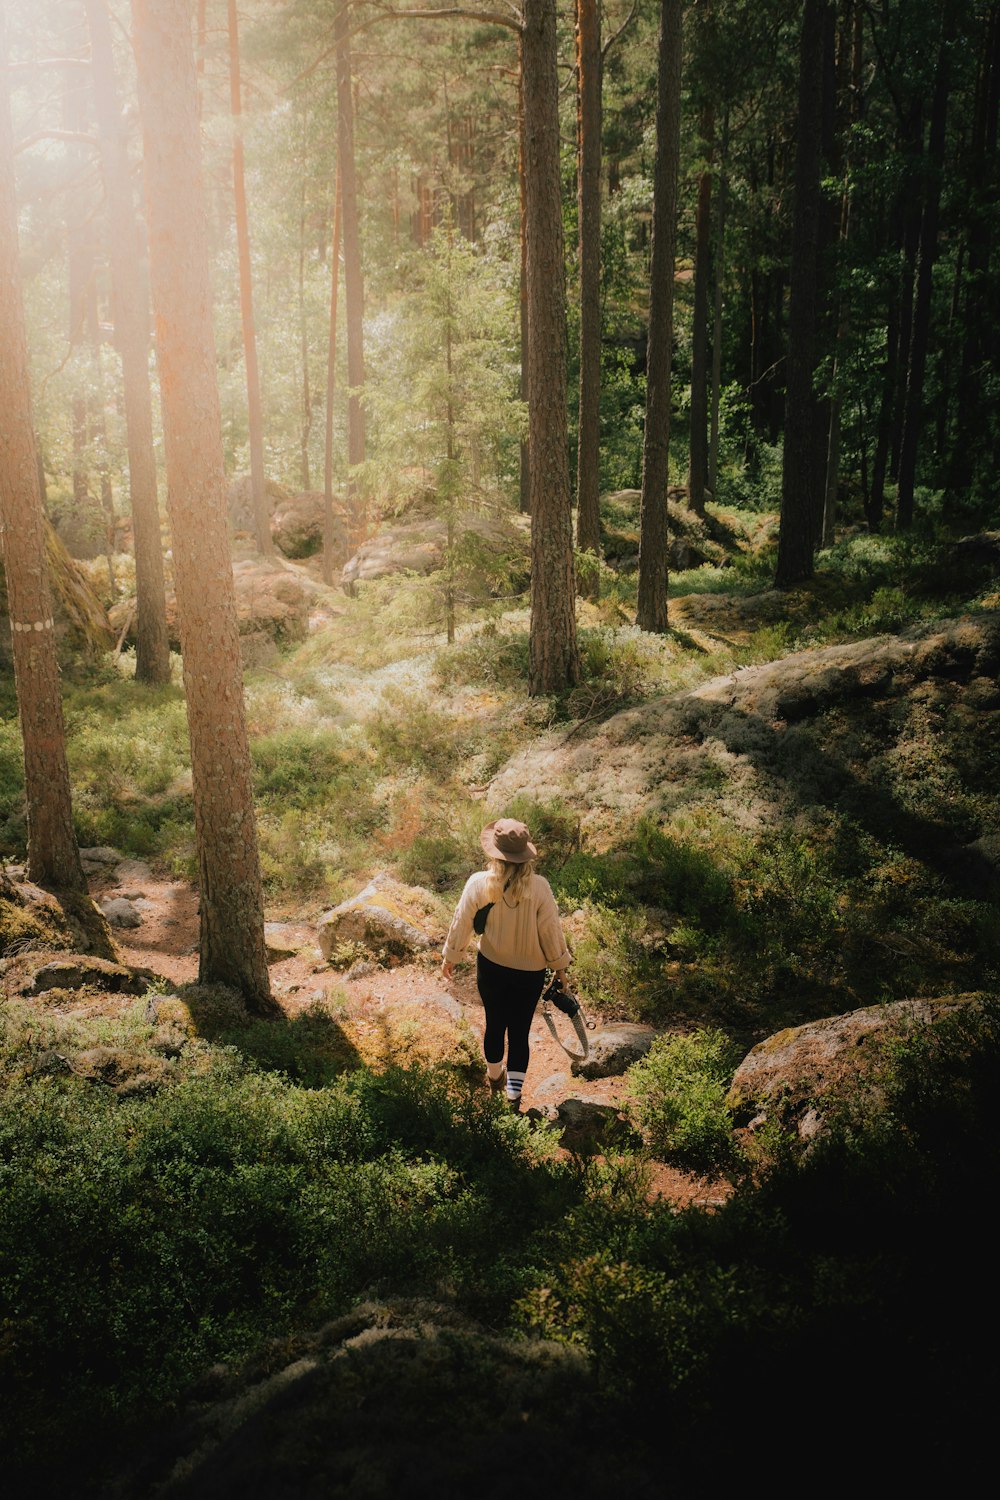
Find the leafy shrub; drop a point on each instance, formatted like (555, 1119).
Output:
(679, 1092)
(433, 860)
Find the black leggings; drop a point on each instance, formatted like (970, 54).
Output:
(509, 998)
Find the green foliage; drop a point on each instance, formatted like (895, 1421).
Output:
(148, 1234)
(678, 1099)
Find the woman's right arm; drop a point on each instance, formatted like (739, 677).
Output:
(460, 930)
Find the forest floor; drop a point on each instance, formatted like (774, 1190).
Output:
(167, 943)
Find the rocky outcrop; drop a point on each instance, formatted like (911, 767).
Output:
(308, 1415)
(794, 1075)
(274, 600)
(297, 526)
(386, 920)
(34, 920)
(417, 545)
(830, 726)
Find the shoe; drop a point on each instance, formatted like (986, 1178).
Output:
(514, 1105)
(497, 1085)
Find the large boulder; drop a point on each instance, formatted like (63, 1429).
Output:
(239, 501)
(297, 526)
(386, 919)
(796, 1074)
(418, 543)
(274, 601)
(614, 1050)
(33, 920)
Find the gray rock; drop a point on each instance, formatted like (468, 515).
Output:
(614, 1050)
(791, 1073)
(131, 871)
(587, 1127)
(374, 918)
(121, 913)
(78, 971)
(101, 855)
(286, 939)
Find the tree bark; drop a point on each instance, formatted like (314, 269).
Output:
(913, 411)
(53, 857)
(331, 385)
(524, 502)
(973, 423)
(354, 294)
(232, 948)
(588, 59)
(719, 285)
(698, 463)
(651, 613)
(131, 315)
(555, 662)
(799, 500)
(255, 415)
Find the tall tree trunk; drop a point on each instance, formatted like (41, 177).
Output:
(854, 85)
(307, 405)
(53, 857)
(331, 385)
(913, 412)
(232, 914)
(354, 295)
(525, 472)
(588, 62)
(131, 316)
(912, 146)
(799, 500)
(555, 662)
(973, 422)
(255, 415)
(720, 281)
(651, 612)
(698, 463)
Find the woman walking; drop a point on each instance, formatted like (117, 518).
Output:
(521, 938)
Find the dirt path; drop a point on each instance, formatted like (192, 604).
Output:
(167, 943)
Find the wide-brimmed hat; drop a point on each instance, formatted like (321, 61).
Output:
(508, 839)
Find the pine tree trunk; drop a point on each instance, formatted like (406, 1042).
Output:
(354, 295)
(555, 663)
(131, 314)
(331, 385)
(973, 422)
(588, 56)
(232, 948)
(913, 411)
(720, 275)
(255, 415)
(698, 464)
(798, 479)
(524, 504)
(651, 613)
(53, 857)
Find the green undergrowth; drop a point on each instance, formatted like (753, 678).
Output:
(151, 1235)
(764, 930)
(151, 1231)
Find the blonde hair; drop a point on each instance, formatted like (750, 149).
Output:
(512, 882)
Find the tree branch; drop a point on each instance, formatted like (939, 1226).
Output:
(78, 137)
(616, 34)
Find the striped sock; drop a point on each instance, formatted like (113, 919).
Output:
(515, 1083)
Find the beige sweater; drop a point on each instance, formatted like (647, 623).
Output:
(527, 936)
